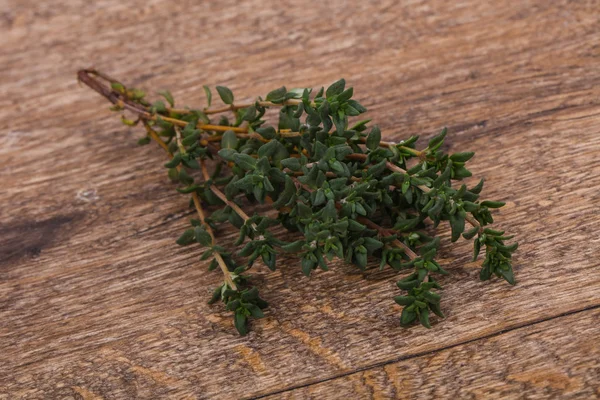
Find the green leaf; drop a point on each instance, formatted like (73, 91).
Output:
(461, 173)
(240, 321)
(424, 318)
(404, 300)
(186, 238)
(117, 87)
(471, 233)
(168, 96)
(136, 94)
(227, 154)
(129, 122)
(407, 317)
(432, 297)
(345, 95)
(256, 312)
(191, 139)
(158, 107)
(335, 88)
(244, 161)
(202, 236)
(457, 223)
(208, 93)
(436, 310)
(360, 260)
(267, 132)
(173, 174)
(492, 204)
(304, 211)
(477, 188)
(374, 138)
(268, 149)
(249, 113)
(188, 189)
(462, 157)
(508, 275)
(184, 177)
(277, 96)
(372, 244)
(225, 94)
(293, 247)
(292, 163)
(407, 285)
(229, 140)
(174, 161)
(476, 248)
(307, 265)
(485, 273)
(437, 140)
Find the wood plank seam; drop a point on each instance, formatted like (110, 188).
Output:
(426, 353)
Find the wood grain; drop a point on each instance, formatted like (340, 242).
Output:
(535, 362)
(96, 300)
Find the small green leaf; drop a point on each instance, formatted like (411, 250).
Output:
(407, 285)
(471, 233)
(168, 96)
(191, 139)
(476, 248)
(158, 107)
(437, 140)
(225, 94)
(244, 161)
(404, 300)
(208, 93)
(277, 96)
(407, 317)
(435, 307)
(462, 157)
(173, 174)
(432, 297)
(293, 247)
(492, 204)
(267, 132)
(374, 138)
(307, 266)
(457, 223)
(202, 236)
(174, 161)
(117, 87)
(508, 275)
(477, 188)
(345, 95)
(424, 318)
(186, 238)
(335, 88)
(240, 321)
(229, 140)
(184, 177)
(291, 163)
(227, 154)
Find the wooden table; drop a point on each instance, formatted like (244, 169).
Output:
(97, 302)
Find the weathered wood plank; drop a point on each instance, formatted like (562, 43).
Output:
(539, 361)
(96, 299)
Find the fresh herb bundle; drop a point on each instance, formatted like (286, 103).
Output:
(349, 194)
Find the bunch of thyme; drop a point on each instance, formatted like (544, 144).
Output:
(349, 194)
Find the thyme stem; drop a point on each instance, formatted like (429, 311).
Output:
(197, 205)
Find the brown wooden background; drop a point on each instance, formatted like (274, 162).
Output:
(97, 303)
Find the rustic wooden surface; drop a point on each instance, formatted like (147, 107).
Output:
(96, 302)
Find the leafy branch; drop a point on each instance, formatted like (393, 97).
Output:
(349, 195)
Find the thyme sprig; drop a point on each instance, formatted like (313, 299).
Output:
(349, 194)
